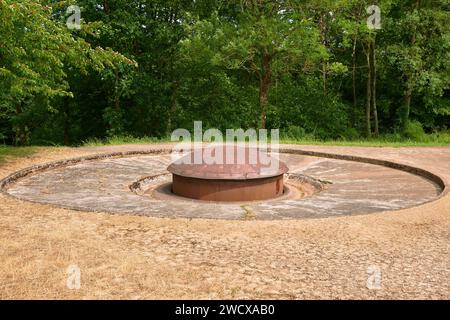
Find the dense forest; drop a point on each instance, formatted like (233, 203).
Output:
(146, 67)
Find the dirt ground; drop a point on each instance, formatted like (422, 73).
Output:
(133, 257)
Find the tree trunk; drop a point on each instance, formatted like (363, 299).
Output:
(173, 107)
(19, 135)
(407, 108)
(106, 6)
(116, 90)
(66, 109)
(324, 78)
(323, 36)
(409, 79)
(355, 99)
(264, 84)
(369, 94)
(373, 74)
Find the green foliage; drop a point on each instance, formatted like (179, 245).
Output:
(294, 133)
(414, 131)
(36, 58)
(118, 140)
(302, 103)
(141, 68)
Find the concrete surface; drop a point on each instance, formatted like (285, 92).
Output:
(103, 185)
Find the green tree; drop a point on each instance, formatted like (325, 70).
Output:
(264, 38)
(418, 50)
(37, 53)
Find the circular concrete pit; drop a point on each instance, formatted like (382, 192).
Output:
(139, 183)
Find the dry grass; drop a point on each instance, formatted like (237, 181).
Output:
(139, 257)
